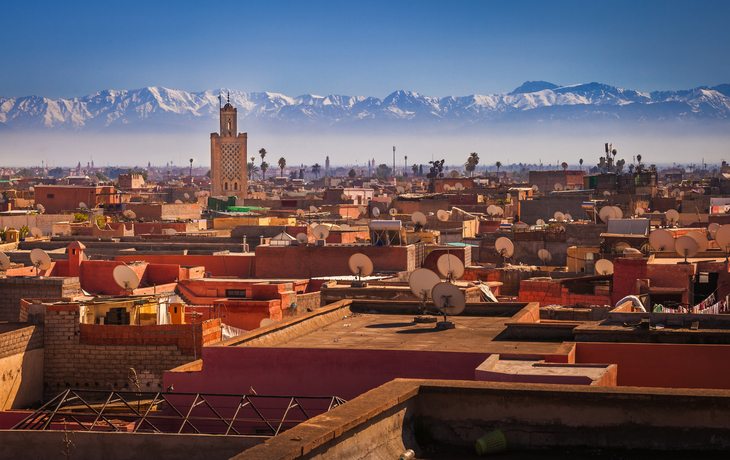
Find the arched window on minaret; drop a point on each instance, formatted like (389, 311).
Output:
(235, 186)
(225, 186)
(229, 124)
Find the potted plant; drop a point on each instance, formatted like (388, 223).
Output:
(23, 232)
(3, 231)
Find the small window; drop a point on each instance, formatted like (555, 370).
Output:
(235, 186)
(50, 195)
(225, 186)
(235, 293)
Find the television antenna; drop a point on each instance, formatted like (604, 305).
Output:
(442, 215)
(40, 260)
(5, 261)
(450, 267)
(604, 267)
(360, 265)
(125, 278)
(686, 246)
(449, 300)
(661, 240)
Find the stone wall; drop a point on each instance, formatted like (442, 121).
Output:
(13, 289)
(21, 367)
(100, 357)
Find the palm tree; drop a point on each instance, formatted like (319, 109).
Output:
(264, 168)
(316, 168)
(414, 168)
(475, 158)
(498, 165)
(262, 152)
(282, 165)
(470, 166)
(252, 169)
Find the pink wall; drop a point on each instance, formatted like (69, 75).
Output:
(317, 372)
(661, 365)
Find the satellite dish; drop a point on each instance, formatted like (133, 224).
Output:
(344, 197)
(41, 209)
(447, 187)
(31, 189)
(559, 216)
(540, 222)
(125, 277)
(492, 210)
(450, 266)
(302, 238)
(568, 218)
(300, 212)
(504, 246)
(454, 174)
(672, 216)
(712, 228)
(661, 240)
(700, 238)
(178, 201)
(361, 209)
(544, 255)
(321, 232)
(618, 212)
(422, 282)
(400, 189)
(442, 215)
(392, 211)
(313, 209)
(722, 237)
(681, 193)
(40, 259)
(187, 196)
(130, 214)
(639, 211)
(5, 261)
(558, 186)
(604, 267)
(686, 246)
(418, 218)
(360, 265)
(535, 188)
(36, 232)
(606, 213)
(701, 191)
(376, 212)
(82, 205)
(448, 298)
(459, 186)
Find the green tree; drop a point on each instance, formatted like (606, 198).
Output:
(498, 165)
(282, 165)
(262, 153)
(316, 168)
(383, 170)
(414, 168)
(352, 173)
(264, 168)
(25, 172)
(208, 174)
(57, 173)
(252, 170)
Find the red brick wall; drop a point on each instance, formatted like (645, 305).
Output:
(239, 266)
(625, 274)
(554, 293)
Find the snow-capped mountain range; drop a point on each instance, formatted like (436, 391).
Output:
(155, 108)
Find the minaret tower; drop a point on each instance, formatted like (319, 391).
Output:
(228, 153)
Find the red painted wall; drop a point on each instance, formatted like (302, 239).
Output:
(661, 365)
(239, 266)
(317, 372)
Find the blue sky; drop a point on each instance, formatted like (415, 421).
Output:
(74, 48)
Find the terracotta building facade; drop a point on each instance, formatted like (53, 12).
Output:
(228, 153)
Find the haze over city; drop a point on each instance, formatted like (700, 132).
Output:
(434, 49)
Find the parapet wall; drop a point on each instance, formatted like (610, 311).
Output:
(15, 288)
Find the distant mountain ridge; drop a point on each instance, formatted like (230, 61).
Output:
(159, 108)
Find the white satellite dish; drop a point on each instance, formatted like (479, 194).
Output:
(661, 240)
(535, 188)
(302, 238)
(454, 174)
(449, 299)
(300, 212)
(722, 237)
(559, 216)
(376, 212)
(361, 209)
(422, 282)
(639, 211)
(700, 238)
(618, 213)
(41, 209)
(442, 215)
(540, 222)
(686, 246)
(400, 189)
(450, 266)
(447, 187)
(606, 213)
(604, 267)
(568, 218)
(313, 209)
(321, 232)
(5, 261)
(544, 255)
(672, 216)
(36, 232)
(125, 277)
(129, 214)
(40, 260)
(82, 205)
(558, 186)
(712, 228)
(31, 189)
(504, 247)
(187, 196)
(607, 193)
(344, 197)
(418, 218)
(360, 265)
(392, 211)
(459, 186)
(178, 202)
(492, 210)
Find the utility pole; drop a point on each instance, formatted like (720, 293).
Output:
(394, 160)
